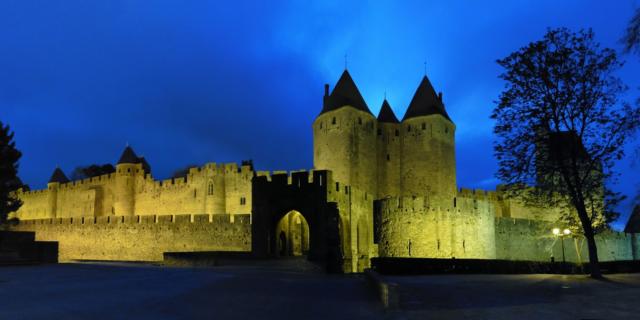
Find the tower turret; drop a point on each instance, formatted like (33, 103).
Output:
(58, 177)
(428, 165)
(388, 148)
(344, 137)
(129, 166)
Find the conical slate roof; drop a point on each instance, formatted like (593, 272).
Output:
(58, 176)
(425, 102)
(345, 93)
(386, 113)
(128, 156)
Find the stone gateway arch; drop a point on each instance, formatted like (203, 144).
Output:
(278, 195)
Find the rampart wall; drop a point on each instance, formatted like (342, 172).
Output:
(210, 189)
(141, 238)
(414, 227)
(531, 240)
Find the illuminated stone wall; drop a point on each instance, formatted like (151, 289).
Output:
(389, 158)
(533, 240)
(344, 141)
(141, 238)
(355, 207)
(413, 227)
(428, 164)
(211, 189)
(515, 208)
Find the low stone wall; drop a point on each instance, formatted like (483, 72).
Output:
(530, 240)
(141, 238)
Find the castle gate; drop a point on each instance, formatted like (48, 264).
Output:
(295, 199)
(293, 235)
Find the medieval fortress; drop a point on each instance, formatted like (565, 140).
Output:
(380, 187)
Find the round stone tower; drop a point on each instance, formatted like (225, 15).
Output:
(389, 156)
(56, 179)
(344, 137)
(428, 165)
(127, 168)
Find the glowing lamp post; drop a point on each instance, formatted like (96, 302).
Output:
(565, 232)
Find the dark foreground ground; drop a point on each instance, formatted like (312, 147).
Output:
(537, 296)
(298, 291)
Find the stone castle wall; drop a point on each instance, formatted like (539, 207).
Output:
(141, 238)
(355, 207)
(474, 229)
(533, 240)
(211, 189)
(414, 227)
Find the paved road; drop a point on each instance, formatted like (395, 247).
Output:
(518, 297)
(296, 290)
(88, 291)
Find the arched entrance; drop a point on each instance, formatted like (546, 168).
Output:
(292, 233)
(273, 200)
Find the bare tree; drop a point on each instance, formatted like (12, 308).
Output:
(561, 125)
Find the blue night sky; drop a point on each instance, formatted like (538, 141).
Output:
(189, 82)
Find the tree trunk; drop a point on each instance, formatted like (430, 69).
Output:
(591, 242)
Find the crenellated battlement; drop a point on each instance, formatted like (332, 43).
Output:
(220, 219)
(478, 194)
(465, 202)
(295, 177)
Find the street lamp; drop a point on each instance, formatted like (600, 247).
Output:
(565, 232)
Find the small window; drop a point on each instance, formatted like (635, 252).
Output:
(397, 132)
(320, 125)
(333, 121)
(446, 129)
(388, 157)
(455, 202)
(424, 126)
(210, 189)
(337, 186)
(379, 132)
(359, 120)
(194, 193)
(128, 169)
(243, 201)
(408, 128)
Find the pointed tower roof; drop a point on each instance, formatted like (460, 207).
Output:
(386, 113)
(425, 102)
(345, 93)
(128, 156)
(58, 176)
